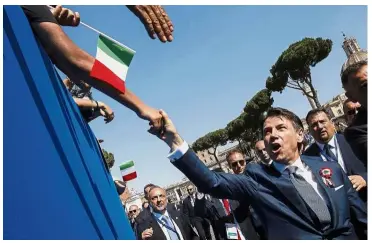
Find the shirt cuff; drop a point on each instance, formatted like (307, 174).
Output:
(179, 152)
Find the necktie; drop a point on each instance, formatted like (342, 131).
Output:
(170, 228)
(329, 153)
(226, 205)
(309, 195)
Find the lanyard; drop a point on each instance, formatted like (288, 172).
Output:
(167, 227)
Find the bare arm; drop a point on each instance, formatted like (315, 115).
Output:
(77, 64)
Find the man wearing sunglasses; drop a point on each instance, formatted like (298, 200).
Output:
(133, 213)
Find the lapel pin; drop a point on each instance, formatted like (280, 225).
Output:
(326, 174)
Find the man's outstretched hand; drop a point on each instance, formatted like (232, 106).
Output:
(155, 20)
(168, 133)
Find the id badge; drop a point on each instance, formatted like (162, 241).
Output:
(231, 231)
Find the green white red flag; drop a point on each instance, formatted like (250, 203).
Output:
(112, 62)
(128, 171)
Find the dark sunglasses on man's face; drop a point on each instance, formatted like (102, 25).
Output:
(190, 189)
(352, 112)
(235, 163)
(133, 211)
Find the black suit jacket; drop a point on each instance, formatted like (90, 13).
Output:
(242, 215)
(357, 136)
(158, 234)
(276, 201)
(188, 209)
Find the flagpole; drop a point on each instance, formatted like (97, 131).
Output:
(99, 32)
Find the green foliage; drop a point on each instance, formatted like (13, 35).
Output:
(109, 158)
(293, 66)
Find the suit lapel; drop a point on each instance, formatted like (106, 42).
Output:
(316, 167)
(177, 220)
(285, 186)
(156, 228)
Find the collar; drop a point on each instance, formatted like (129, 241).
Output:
(158, 215)
(331, 143)
(281, 167)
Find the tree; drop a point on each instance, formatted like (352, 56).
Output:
(109, 158)
(292, 69)
(212, 141)
(247, 127)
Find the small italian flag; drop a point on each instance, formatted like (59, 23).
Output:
(127, 171)
(112, 62)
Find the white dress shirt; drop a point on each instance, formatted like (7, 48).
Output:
(335, 148)
(164, 229)
(304, 171)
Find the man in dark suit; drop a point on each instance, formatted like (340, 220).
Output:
(145, 213)
(296, 198)
(333, 147)
(199, 223)
(354, 78)
(164, 224)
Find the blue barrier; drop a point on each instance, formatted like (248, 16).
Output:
(55, 184)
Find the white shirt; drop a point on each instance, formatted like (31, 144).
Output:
(303, 171)
(165, 231)
(335, 148)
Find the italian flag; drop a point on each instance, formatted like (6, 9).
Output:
(127, 171)
(112, 62)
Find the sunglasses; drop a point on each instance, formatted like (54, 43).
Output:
(235, 163)
(133, 211)
(352, 112)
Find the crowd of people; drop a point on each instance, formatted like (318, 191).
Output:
(295, 190)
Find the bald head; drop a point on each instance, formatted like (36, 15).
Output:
(261, 152)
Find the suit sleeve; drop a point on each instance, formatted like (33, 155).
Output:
(358, 208)
(220, 185)
(185, 208)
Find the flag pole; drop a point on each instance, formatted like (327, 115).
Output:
(99, 32)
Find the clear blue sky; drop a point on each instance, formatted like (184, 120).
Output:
(220, 57)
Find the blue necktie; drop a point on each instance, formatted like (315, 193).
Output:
(329, 153)
(170, 228)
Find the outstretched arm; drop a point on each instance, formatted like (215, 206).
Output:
(220, 185)
(77, 64)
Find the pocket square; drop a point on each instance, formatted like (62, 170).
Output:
(339, 187)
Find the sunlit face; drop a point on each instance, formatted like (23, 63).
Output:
(261, 152)
(133, 211)
(350, 110)
(190, 190)
(321, 127)
(356, 86)
(237, 163)
(158, 199)
(281, 139)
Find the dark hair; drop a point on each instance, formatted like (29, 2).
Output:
(148, 185)
(234, 151)
(281, 112)
(352, 69)
(316, 111)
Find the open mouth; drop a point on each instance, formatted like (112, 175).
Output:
(275, 147)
